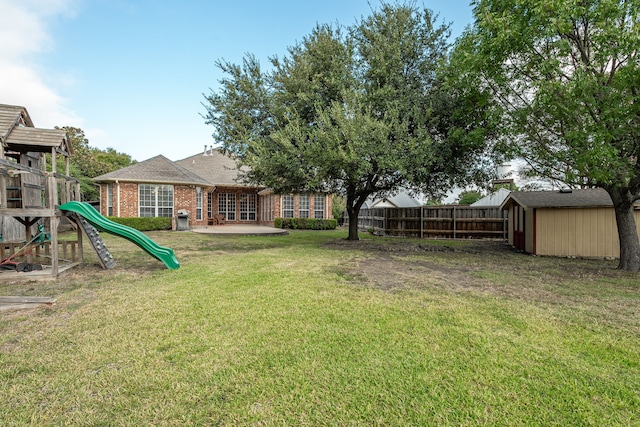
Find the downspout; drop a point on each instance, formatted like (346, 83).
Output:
(117, 198)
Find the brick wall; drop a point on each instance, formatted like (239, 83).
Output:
(128, 194)
(185, 198)
(125, 194)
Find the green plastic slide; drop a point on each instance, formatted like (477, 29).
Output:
(101, 223)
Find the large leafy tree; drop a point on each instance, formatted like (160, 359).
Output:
(88, 162)
(566, 76)
(359, 113)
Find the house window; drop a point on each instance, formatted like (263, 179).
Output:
(155, 200)
(227, 206)
(287, 206)
(318, 206)
(109, 199)
(198, 203)
(247, 207)
(304, 206)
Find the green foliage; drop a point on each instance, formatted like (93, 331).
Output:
(565, 77)
(87, 162)
(355, 113)
(469, 197)
(306, 223)
(510, 187)
(338, 206)
(144, 224)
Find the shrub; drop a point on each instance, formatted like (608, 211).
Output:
(306, 223)
(144, 224)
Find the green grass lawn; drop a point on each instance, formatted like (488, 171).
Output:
(309, 329)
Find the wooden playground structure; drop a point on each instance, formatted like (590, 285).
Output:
(31, 190)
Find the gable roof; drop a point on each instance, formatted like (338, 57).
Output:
(158, 169)
(10, 117)
(403, 199)
(494, 199)
(581, 198)
(215, 167)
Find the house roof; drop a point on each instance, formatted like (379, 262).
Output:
(401, 200)
(581, 198)
(215, 167)
(494, 199)
(157, 169)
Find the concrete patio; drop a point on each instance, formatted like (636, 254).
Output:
(240, 230)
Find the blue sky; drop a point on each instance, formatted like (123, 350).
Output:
(132, 74)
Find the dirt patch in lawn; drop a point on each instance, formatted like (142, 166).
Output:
(590, 288)
(483, 266)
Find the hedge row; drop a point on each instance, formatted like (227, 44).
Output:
(144, 224)
(306, 223)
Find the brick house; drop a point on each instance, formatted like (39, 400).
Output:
(204, 185)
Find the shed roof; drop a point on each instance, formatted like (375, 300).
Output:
(580, 198)
(215, 167)
(157, 169)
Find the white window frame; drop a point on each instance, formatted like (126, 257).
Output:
(288, 206)
(227, 205)
(304, 203)
(109, 200)
(198, 203)
(318, 206)
(155, 200)
(248, 207)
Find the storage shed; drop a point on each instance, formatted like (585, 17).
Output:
(572, 223)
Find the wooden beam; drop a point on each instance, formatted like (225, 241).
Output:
(27, 212)
(54, 166)
(26, 221)
(26, 300)
(53, 227)
(80, 250)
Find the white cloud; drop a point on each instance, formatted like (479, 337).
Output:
(23, 34)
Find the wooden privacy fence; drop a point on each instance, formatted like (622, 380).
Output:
(453, 222)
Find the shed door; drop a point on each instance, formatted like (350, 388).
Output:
(518, 228)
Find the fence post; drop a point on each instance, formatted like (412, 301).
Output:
(454, 221)
(422, 222)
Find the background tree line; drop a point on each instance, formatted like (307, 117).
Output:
(88, 162)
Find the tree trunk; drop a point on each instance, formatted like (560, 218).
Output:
(627, 232)
(353, 226)
(354, 204)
